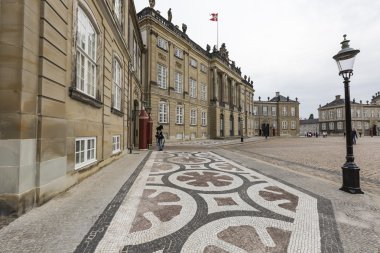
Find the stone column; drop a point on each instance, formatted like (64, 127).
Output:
(233, 95)
(216, 90)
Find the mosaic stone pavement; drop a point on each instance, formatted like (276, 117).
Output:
(202, 202)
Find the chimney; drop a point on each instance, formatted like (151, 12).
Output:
(277, 93)
(337, 97)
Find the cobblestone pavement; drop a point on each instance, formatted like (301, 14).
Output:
(321, 157)
(205, 196)
(203, 202)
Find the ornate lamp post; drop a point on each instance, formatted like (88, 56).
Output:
(345, 59)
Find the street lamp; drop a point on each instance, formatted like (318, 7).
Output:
(345, 59)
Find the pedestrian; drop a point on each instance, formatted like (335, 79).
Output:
(354, 136)
(160, 138)
(360, 134)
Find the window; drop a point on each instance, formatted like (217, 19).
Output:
(179, 115)
(358, 125)
(323, 126)
(293, 111)
(256, 125)
(117, 9)
(339, 113)
(284, 111)
(115, 144)
(85, 151)
(265, 110)
(203, 68)
(331, 126)
(203, 92)
(372, 113)
(178, 87)
(274, 124)
(116, 87)
(255, 109)
(134, 54)
(161, 43)
(178, 53)
(331, 113)
(193, 62)
(204, 118)
(274, 111)
(163, 112)
(284, 124)
(366, 113)
(193, 117)
(193, 88)
(86, 55)
(358, 113)
(366, 125)
(293, 125)
(162, 73)
(340, 125)
(323, 115)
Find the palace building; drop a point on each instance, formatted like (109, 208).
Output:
(192, 92)
(71, 72)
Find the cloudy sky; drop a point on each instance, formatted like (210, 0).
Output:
(287, 45)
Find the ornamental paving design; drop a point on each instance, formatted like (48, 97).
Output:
(202, 202)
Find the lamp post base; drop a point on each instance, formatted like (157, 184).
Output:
(351, 178)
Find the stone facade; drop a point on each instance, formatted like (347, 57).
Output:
(365, 116)
(70, 72)
(309, 126)
(193, 93)
(279, 116)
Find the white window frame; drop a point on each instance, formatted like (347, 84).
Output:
(274, 111)
(284, 111)
(203, 68)
(163, 111)
(116, 87)
(178, 85)
(255, 109)
(265, 110)
(331, 126)
(274, 123)
(323, 116)
(284, 125)
(179, 115)
(193, 62)
(366, 125)
(89, 153)
(204, 118)
(117, 10)
(86, 55)
(116, 147)
(162, 74)
(203, 92)
(339, 125)
(193, 117)
(323, 126)
(339, 113)
(178, 53)
(292, 111)
(162, 43)
(293, 124)
(193, 88)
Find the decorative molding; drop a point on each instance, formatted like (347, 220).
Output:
(161, 56)
(154, 33)
(178, 65)
(80, 96)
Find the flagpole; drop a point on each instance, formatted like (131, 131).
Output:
(217, 33)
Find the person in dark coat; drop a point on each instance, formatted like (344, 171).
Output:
(354, 136)
(160, 138)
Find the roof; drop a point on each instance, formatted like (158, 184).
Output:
(308, 121)
(281, 98)
(336, 102)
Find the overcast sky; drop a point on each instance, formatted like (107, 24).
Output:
(287, 45)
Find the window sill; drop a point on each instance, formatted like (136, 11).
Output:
(117, 112)
(80, 96)
(85, 165)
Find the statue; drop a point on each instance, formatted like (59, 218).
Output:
(245, 77)
(208, 48)
(223, 51)
(152, 3)
(249, 79)
(184, 28)
(170, 15)
(233, 63)
(214, 49)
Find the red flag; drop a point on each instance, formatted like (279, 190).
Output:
(214, 17)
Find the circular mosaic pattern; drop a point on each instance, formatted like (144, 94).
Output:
(189, 160)
(205, 180)
(162, 167)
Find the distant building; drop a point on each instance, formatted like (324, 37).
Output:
(309, 125)
(279, 116)
(365, 116)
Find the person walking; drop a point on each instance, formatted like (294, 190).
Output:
(354, 136)
(160, 138)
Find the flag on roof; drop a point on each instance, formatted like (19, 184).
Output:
(214, 17)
